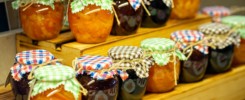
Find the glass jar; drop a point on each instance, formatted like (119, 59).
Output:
(159, 11)
(24, 63)
(238, 23)
(223, 41)
(134, 87)
(98, 76)
(130, 18)
(92, 23)
(185, 9)
(163, 76)
(216, 12)
(52, 82)
(42, 22)
(194, 68)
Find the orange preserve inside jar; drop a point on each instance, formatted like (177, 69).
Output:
(55, 82)
(41, 22)
(163, 75)
(90, 25)
(185, 9)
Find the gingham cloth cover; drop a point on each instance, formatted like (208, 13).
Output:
(79, 5)
(132, 53)
(215, 29)
(183, 37)
(97, 63)
(135, 3)
(24, 61)
(52, 76)
(160, 48)
(216, 11)
(17, 3)
(236, 21)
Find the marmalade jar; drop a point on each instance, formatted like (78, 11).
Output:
(97, 75)
(160, 12)
(238, 23)
(194, 68)
(92, 23)
(131, 56)
(55, 82)
(24, 63)
(223, 41)
(130, 18)
(42, 22)
(163, 75)
(185, 9)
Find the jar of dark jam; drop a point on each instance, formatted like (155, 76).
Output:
(159, 11)
(95, 73)
(194, 68)
(220, 57)
(130, 18)
(24, 63)
(134, 87)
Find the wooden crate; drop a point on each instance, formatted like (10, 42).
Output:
(66, 48)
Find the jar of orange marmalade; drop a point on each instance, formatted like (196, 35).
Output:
(185, 9)
(40, 19)
(163, 75)
(238, 23)
(55, 83)
(90, 20)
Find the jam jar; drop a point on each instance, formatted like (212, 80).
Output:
(55, 82)
(194, 68)
(24, 63)
(185, 9)
(216, 12)
(98, 76)
(90, 21)
(159, 13)
(223, 40)
(163, 75)
(132, 57)
(238, 23)
(129, 18)
(40, 21)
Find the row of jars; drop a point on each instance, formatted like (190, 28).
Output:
(128, 71)
(91, 21)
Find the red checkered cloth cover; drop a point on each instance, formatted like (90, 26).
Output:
(183, 37)
(216, 12)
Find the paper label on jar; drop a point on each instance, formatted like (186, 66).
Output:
(108, 94)
(134, 86)
(196, 67)
(221, 59)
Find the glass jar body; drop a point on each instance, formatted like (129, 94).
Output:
(160, 13)
(185, 9)
(194, 68)
(91, 25)
(99, 89)
(61, 95)
(161, 78)
(133, 88)
(40, 22)
(129, 18)
(21, 88)
(239, 58)
(220, 59)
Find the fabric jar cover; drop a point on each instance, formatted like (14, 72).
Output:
(218, 30)
(92, 65)
(161, 49)
(26, 60)
(183, 37)
(236, 21)
(52, 76)
(216, 12)
(18, 3)
(129, 55)
(135, 4)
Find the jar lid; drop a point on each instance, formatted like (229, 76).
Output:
(216, 11)
(18, 3)
(242, 32)
(183, 37)
(214, 28)
(27, 59)
(51, 77)
(234, 20)
(125, 52)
